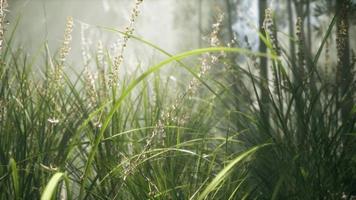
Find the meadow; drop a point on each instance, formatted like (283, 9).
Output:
(231, 129)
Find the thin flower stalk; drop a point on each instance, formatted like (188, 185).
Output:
(88, 75)
(119, 58)
(3, 6)
(57, 75)
(270, 29)
(101, 64)
(158, 132)
(63, 53)
(301, 48)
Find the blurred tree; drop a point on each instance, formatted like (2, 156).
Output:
(344, 72)
(262, 5)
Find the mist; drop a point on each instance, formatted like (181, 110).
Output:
(174, 26)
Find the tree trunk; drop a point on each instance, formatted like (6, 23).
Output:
(309, 36)
(344, 77)
(262, 5)
(291, 33)
(229, 20)
(200, 17)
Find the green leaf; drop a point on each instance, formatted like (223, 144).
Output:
(327, 34)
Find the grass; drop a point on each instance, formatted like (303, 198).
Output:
(71, 138)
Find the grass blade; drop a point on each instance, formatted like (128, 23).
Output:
(15, 177)
(52, 186)
(224, 172)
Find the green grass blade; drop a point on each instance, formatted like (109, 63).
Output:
(277, 188)
(224, 172)
(327, 34)
(52, 186)
(15, 177)
(135, 82)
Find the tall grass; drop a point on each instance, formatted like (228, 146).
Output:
(141, 138)
(313, 151)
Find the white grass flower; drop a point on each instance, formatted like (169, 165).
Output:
(53, 120)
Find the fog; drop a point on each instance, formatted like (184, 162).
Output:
(172, 25)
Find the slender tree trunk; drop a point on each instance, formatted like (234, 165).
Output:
(229, 20)
(291, 33)
(309, 36)
(232, 57)
(262, 5)
(344, 77)
(200, 17)
(301, 92)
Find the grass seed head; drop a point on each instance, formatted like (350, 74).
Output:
(301, 46)
(118, 59)
(63, 53)
(101, 64)
(90, 87)
(270, 29)
(3, 6)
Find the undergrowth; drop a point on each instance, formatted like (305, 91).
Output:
(138, 138)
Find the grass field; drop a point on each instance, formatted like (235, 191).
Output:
(227, 133)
